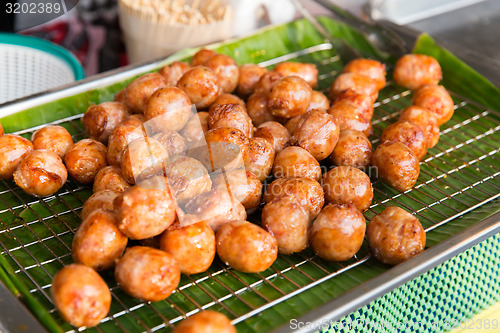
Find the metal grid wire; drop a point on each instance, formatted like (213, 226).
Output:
(458, 175)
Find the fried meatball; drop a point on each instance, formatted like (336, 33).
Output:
(267, 82)
(187, 177)
(396, 165)
(143, 158)
(407, 133)
(413, 71)
(110, 178)
(230, 115)
(41, 173)
(53, 138)
(368, 67)
(205, 321)
(173, 72)
(99, 200)
(148, 274)
(289, 222)
(121, 136)
(138, 91)
(227, 99)
(395, 236)
(259, 158)
(98, 242)
(250, 75)
(275, 133)
(172, 141)
(436, 99)
(81, 295)
(346, 184)
(426, 120)
(257, 109)
(200, 57)
(195, 129)
(316, 132)
(359, 103)
(338, 232)
(13, 149)
(353, 149)
(347, 117)
(292, 123)
(307, 72)
(246, 247)
(168, 108)
(201, 85)
(306, 191)
(226, 70)
(356, 82)
(242, 185)
(318, 101)
(192, 246)
(290, 97)
(84, 159)
(145, 210)
(101, 119)
(296, 162)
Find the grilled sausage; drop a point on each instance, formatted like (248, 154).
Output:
(368, 67)
(259, 158)
(426, 120)
(168, 108)
(84, 159)
(101, 119)
(275, 133)
(437, 100)
(110, 178)
(290, 97)
(413, 71)
(250, 74)
(99, 200)
(173, 72)
(296, 162)
(356, 82)
(307, 72)
(53, 138)
(143, 158)
(407, 133)
(226, 70)
(353, 149)
(206, 321)
(242, 185)
(345, 184)
(201, 85)
(138, 91)
(13, 149)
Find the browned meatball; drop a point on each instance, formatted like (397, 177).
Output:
(338, 232)
(362, 104)
(347, 116)
(395, 236)
(290, 97)
(257, 109)
(275, 133)
(407, 133)
(195, 129)
(316, 132)
(307, 72)
(353, 149)
(168, 108)
(227, 99)
(121, 136)
(192, 246)
(426, 120)
(289, 222)
(200, 57)
(345, 184)
(41, 173)
(242, 185)
(368, 67)
(187, 177)
(201, 85)
(246, 247)
(292, 123)
(138, 91)
(267, 82)
(148, 274)
(396, 165)
(101, 119)
(226, 148)
(172, 141)
(110, 178)
(84, 159)
(413, 71)
(205, 321)
(356, 82)
(306, 191)
(98, 242)
(173, 72)
(99, 200)
(145, 210)
(230, 115)
(318, 101)
(53, 138)
(143, 158)
(13, 149)
(296, 162)
(436, 99)
(259, 158)
(216, 208)
(250, 74)
(81, 295)
(227, 71)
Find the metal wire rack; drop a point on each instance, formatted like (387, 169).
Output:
(460, 174)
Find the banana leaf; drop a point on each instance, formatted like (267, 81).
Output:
(17, 229)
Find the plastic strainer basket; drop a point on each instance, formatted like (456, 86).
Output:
(30, 65)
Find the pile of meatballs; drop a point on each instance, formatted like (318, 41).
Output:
(180, 158)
